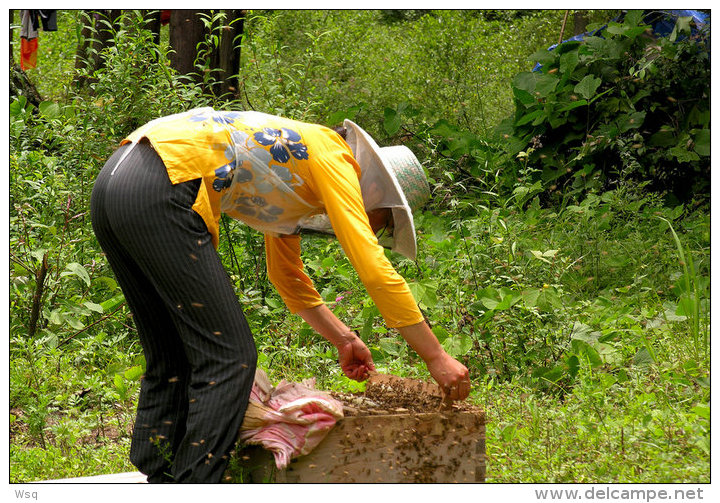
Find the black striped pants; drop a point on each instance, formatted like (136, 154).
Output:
(199, 352)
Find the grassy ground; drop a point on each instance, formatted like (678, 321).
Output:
(641, 414)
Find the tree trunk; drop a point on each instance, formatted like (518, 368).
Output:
(580, 22)
(153, 23)
(227, 56)
(186, 32)
(12, 21)
(96, 34)
(20, 85)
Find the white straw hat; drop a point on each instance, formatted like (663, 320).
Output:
(391, 177)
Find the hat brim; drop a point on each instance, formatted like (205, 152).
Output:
(370, 156)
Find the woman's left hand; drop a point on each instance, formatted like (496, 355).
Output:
(355, 358)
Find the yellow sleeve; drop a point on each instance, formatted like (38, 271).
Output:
(335, 176)
(285, 271)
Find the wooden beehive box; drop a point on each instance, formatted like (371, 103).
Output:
(381, 447)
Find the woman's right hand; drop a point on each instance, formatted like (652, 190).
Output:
(452, 376)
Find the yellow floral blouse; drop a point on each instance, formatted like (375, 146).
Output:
(273, 173)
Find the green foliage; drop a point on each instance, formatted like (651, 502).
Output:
(448, 64)
(622, 104)
(585, 324)
(55, 55)
(156, 90)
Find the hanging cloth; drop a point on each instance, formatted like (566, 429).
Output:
(29, 26)
(28, 40)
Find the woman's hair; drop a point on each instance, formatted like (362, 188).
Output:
(341, 130)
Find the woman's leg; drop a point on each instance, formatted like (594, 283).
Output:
(170, 243)
(162, 406)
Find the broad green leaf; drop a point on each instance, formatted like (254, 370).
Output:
(440, 333)
(525, 81)
(392, 122)
(274, 303)
(524, 97)
(134, 373)
(508, 299)
(56, 317)
(588, 86)
(113, 302)
(634, 17)
(669, 313)
(573, 364)
(457, 345)
(701, 137)
(489, 303)
(118, 382)
(552, 374)
(93, 306)
(682, 154)
(569, 46)
(529, 117)
(586, 352)
(17, 107)
(545, 85)
(682, 25)
(572, 105)
(539, 255)
(530, 296)
(642, 358)
(390, 345)
(109, 282)
(626, 122)
(444, 128)
(543, 56)
(38, 253)
(702, 411)
(508, 433)
(663, 138)
(49, 109)
(686, 305)
(585, 333)
(568, 62)
(74, 323)
(424, 293)
(438, 231)
(703, 444)
(609, 354)
(77, 270)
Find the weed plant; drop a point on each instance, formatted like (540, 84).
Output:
(585, 324)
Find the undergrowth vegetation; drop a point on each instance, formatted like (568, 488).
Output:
(573, 286)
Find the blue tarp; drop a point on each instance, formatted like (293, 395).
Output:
(661, 21)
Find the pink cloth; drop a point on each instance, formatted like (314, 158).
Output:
(296, 417)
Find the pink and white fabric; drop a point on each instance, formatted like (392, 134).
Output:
(295, 417)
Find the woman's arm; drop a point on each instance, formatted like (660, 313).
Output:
(450, 374)
(355, 359)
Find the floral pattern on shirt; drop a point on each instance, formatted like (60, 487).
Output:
(259, 161)
(282, 142)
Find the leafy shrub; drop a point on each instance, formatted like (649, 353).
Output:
(132, 57)
(622, 104)
(446, 64)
